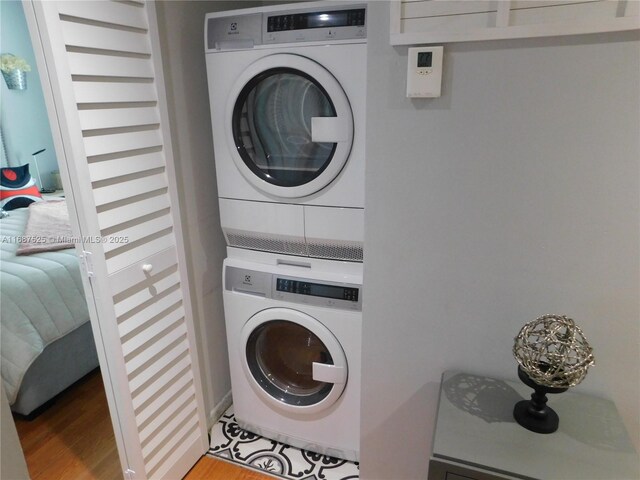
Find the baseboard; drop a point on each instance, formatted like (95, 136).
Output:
(219, 409)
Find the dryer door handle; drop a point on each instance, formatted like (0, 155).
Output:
(329, 129)
(323, 372)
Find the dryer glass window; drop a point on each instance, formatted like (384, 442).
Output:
(280, 355)
(272, 127)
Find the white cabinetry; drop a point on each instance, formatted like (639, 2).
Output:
(443, 21)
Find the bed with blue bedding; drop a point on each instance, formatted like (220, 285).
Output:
(46, 339)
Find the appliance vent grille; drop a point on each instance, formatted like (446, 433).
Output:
(351, 252)
(267, 244)
(336, 251)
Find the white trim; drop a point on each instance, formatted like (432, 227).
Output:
(218, 410)
(503, 30)
(66, 131)
(46, 29)
(525, 31)
(395, 15)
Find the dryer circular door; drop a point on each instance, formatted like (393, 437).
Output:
(292, 361)
(289, 125)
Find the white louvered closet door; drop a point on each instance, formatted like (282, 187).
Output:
(108, 93)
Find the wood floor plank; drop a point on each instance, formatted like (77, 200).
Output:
(73, 440)
(212, 469)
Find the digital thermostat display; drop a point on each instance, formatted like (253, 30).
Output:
(424, 59)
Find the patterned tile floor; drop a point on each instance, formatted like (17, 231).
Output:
(229, 442)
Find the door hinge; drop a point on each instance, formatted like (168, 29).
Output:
(129, 474)
(88, 263)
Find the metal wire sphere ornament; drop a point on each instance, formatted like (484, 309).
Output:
(553, 351)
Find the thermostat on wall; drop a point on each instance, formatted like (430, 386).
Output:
(424, 72)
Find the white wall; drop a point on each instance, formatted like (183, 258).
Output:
(514, 195)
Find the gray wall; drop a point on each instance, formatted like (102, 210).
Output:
(182, 41)
(181, 25)
(514, 195)
(12, 465)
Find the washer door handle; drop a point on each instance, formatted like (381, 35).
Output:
(329, 129)
(323, 372)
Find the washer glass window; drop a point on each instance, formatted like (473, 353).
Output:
(280, 356)
(272, 127)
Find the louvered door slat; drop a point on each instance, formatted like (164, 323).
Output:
(163, 364)
(415, 22)
(162, 383)
(109, 89)
(117, 92)
(107, 12)
(159, 353)
(177, 437)
(118, 118)
(129, 188)
(122, 142)
(106, 169)
(429, 8)
(151, 411)
(138, 232)
(140, 320)
(166, 321)
(170, 466)
(184, 416)
(103, 38)
(140, 252)
(143, 296)
(147, 206)
(517, 4)
(109, 66)
(152, 428)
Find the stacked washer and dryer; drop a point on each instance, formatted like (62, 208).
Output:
(287, 87)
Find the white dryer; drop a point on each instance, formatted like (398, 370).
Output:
(294, 333)
(287, 88)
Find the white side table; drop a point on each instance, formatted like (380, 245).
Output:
(476, 437)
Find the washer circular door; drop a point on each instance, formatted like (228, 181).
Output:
(293, 361)
(289, 125)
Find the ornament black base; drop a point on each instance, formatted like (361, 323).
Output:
(547, 422)
(534, 414)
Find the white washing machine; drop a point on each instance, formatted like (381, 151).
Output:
(294, 330)
(287, 88)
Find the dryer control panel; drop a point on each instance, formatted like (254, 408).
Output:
(334, 23)
(294, 289)
(310, 24)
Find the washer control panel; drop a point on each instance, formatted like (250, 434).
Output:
(344, 296)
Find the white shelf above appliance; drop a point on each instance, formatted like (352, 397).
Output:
(416, 22)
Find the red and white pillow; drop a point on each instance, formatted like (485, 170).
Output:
(17, 188)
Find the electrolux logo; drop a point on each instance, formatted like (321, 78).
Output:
(233, 28)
